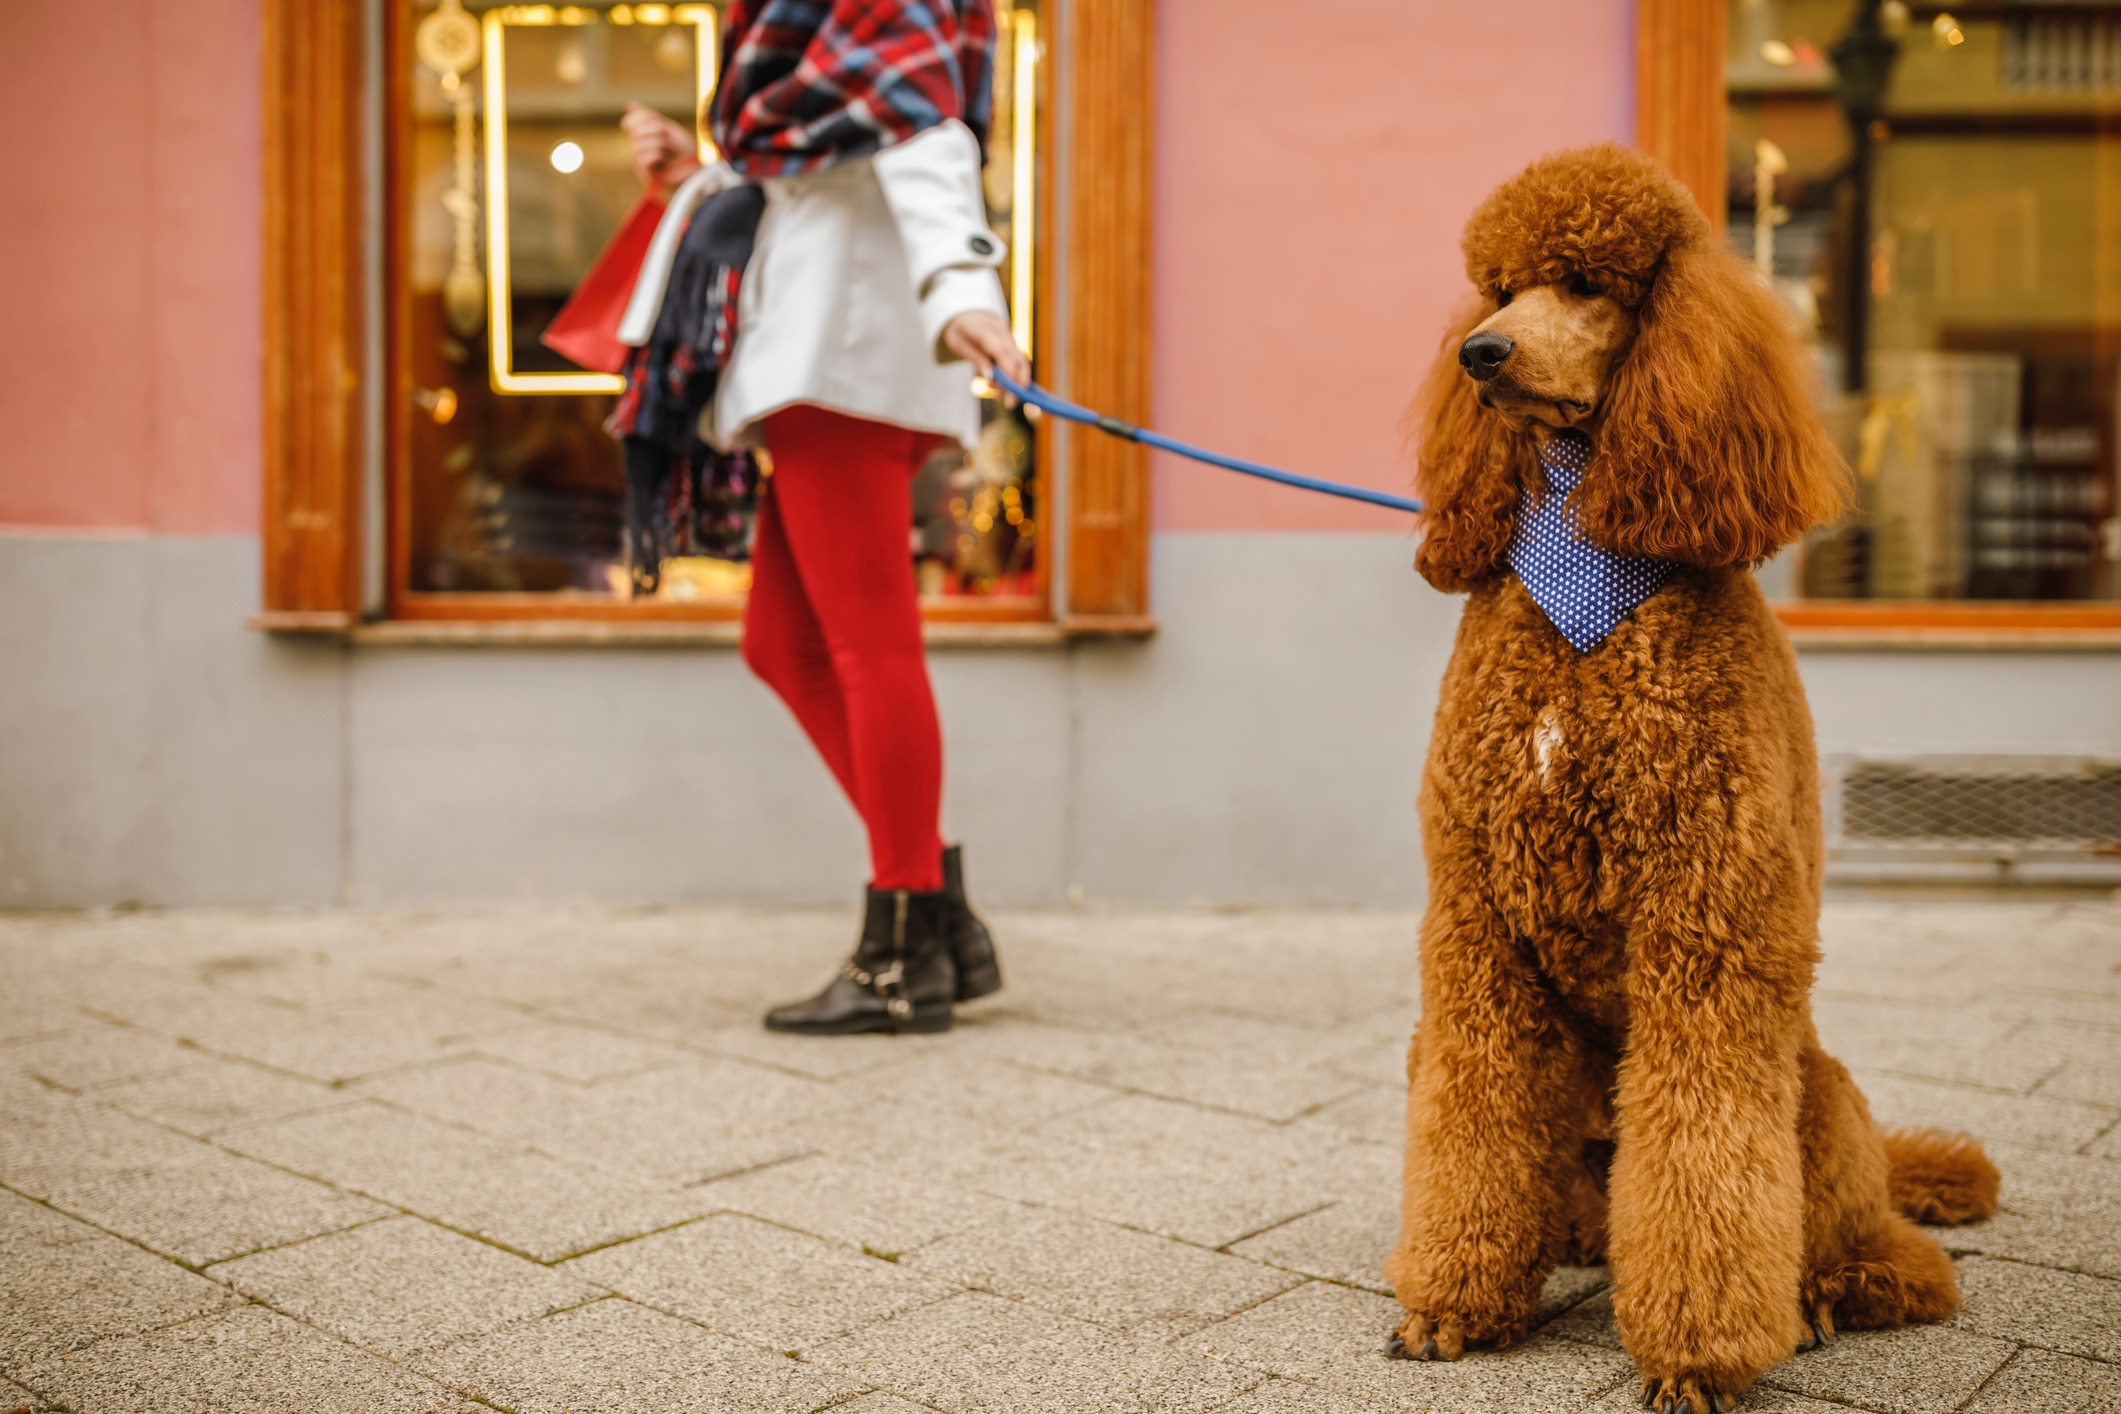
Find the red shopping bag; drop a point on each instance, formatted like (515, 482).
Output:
(587, 327)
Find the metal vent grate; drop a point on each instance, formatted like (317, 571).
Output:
(2036, 803)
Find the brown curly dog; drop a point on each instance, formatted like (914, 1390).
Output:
(1616, 1055)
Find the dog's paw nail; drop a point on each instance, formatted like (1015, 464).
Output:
(1649, 1395)
(1395, 1348)
(1428, 1350)
(1821, 1335)
(1715, 1403)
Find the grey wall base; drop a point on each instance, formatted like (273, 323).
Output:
(1264, 748)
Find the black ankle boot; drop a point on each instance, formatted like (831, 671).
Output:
(971, 945)
(899, 979)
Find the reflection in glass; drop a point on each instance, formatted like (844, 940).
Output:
(1937, 196)
(518, 176)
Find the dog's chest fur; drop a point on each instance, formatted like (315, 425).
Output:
(1576, 779)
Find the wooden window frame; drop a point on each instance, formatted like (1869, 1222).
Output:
(1680, 119)
(315, 334)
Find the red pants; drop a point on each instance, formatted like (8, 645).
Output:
(834, 626)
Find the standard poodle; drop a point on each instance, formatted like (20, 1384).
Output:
(1616, 1056)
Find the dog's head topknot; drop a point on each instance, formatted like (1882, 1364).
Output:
(1607, 213)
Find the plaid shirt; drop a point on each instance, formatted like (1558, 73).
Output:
(809, 83)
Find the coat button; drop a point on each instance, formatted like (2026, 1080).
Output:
(981, 245)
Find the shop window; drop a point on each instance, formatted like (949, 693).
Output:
(1936, 194)
(509, 491)
(503, 176)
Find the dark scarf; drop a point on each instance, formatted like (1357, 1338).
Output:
(806, 84)
(682, 496)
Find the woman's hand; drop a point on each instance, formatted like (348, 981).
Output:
(982, 337)
(664, 152)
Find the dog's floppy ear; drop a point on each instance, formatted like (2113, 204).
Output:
(1465, 468)
(1710, 450)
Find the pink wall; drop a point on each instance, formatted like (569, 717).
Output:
(129, 267)
(1314, 166)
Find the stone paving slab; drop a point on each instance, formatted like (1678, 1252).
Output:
(1009, 1094)
(577, 1053)
(2060, 1311)
(2088, 1060)
(2033, 1121)
(98, 1053)
(402, 1285)
(1376, 1114)
(1277, 1396)
(1345, 1242)
(981, 1353)
(1919, 1370)
(248, 1361)
(1157, 1172)
(614, 1357)
(504, 1192)
(332, 1044)
(209, 1096)
(1760, 1399)
(2042, 1382)
(859, 1204)
(65, 1285)
(1334, 1336)
(1975, 1044)
(1204, 1176)
(693, 1121)
(781, 1289)
(2058, 1210)
(1113, 1276)
(172, 1194)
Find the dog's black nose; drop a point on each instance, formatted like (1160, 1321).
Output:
(1482, 355)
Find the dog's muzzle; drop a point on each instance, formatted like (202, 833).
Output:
(1482, 355)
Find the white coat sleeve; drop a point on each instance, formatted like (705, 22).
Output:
(931, 183)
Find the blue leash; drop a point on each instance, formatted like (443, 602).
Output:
(1060, 407)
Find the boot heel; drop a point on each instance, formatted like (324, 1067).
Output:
(925, 1021)
(980, 980)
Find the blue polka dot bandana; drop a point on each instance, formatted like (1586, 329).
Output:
(1586, 591)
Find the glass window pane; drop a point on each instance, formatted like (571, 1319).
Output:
(513, 485)
(1937, 196)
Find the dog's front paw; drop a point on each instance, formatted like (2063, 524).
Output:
(1683, 1394)
(1420, 1338)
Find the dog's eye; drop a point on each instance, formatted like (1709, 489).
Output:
(1583, 288)
(1502, 297)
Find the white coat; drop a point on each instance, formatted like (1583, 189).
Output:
(857, 270)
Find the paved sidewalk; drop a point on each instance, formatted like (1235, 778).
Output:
(546, 1161)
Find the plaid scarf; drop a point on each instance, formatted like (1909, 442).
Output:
(806, 84)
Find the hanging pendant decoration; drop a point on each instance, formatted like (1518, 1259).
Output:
(447, 42)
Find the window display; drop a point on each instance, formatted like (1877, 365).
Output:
(1936, 193)
(512, 178)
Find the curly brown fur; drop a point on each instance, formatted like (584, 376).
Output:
(1941, 1178)
(1624, 847)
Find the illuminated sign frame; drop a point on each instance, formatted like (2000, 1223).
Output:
(500, 289)
(1023, 24)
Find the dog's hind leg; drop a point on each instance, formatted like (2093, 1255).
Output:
(1866, 1264)
(1495, 1119)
